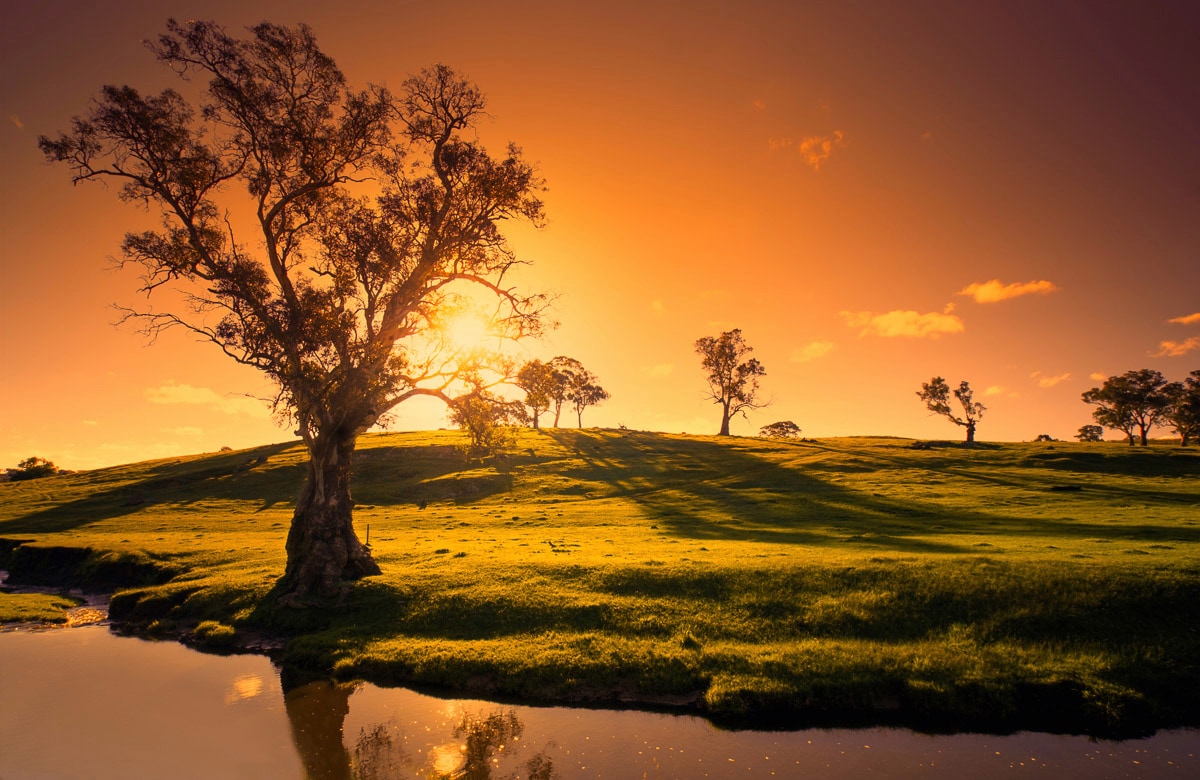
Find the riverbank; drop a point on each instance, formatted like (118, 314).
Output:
(1015, 586)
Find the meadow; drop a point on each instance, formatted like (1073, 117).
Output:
(763, 582)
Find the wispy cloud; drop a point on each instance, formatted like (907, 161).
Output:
(814, 150)
(1190, 319)
(1177, 348)
(16, 120)
(994, 390)
(203, 396)
(994, 290)
(658, 307)
(1096, 376)
(759, 104)
(909, 324)
(812, 351)
(660, 369)
(90, 423)
(1049, 381)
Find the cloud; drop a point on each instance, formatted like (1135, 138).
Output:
(1096, 376)
(818, 148)
(90, 423)
(994, 390)
(812, 351)
(1190, 319)
(658, 307)
(993, 291)
(661, 369)
(904, 323)
(813, 149)
(16, 120)
(758, 103)
(1049, 381)
(203, 396)
(1177, 348)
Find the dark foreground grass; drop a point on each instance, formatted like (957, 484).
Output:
(845, 580)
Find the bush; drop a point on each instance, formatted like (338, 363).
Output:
(33, 468)
(784, 429)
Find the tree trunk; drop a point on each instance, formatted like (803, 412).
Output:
(970, 433)
(323, 552)
(579, 417)
(724, 420)
(536, 414)
(557, 413)
(1144, 430)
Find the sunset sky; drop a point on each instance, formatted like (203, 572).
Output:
(874, 192)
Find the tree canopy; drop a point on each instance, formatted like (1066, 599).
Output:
(731, 374)
(316, 230)
(936, 395)
(1183, 407)
(1131, 403)
(784, 429)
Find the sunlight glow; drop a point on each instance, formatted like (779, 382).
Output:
(467, 330)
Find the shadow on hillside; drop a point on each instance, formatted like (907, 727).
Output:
(242, 475)
(708, 490)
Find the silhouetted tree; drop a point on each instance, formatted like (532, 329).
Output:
(732, 376)
(1183, 408)
(333, 295)
(1044, 437)
(936, 395)
(487, 419)
(564, 373)
(784, 429)
(32, 468)
(1090, 433)
(584, 391)
(1132, 402)
(537, 380)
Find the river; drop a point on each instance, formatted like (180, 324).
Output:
(84, 703)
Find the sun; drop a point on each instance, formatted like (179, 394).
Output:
(467, 331)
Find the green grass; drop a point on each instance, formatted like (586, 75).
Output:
(34, 608)
(858, 579)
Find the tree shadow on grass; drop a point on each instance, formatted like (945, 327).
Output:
(705, 490)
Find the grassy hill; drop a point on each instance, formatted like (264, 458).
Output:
(1050, 586)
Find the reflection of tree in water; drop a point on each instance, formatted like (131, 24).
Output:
(480, 743)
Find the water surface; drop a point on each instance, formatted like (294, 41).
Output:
(82, 702)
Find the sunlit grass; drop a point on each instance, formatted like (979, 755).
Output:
(760, 579)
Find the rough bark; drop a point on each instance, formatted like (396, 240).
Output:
(970, 433)
(323, 552)
(724, 420)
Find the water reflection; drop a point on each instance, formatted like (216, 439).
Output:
(81, 702)
(483, 746)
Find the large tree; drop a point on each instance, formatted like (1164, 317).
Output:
(1131, 403)
(536, 378)
(565, 373)
(936, 395)
(317, 230)
(732, 375)
(1183, 409)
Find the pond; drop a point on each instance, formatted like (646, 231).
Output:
(83, 702)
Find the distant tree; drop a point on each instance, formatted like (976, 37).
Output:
(335, 290)
(1183, 410)
(537, 380)
(936, 395)
(564, 372)
(784, 429)
(1045, 437)
(1132, 402)
(487, 419)
(1090, 433)
(32, 468)
(732, 375)
(583, 392)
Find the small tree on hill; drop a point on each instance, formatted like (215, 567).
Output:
(487, 419)
(565, 373)
(1090, 433)
(784, 429)
(583, 392)
(537, 380)
(32, 468)
(1183, 410)
(732, 375)
(1132, 402)
(936, 395)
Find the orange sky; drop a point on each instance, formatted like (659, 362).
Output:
(875, 193)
